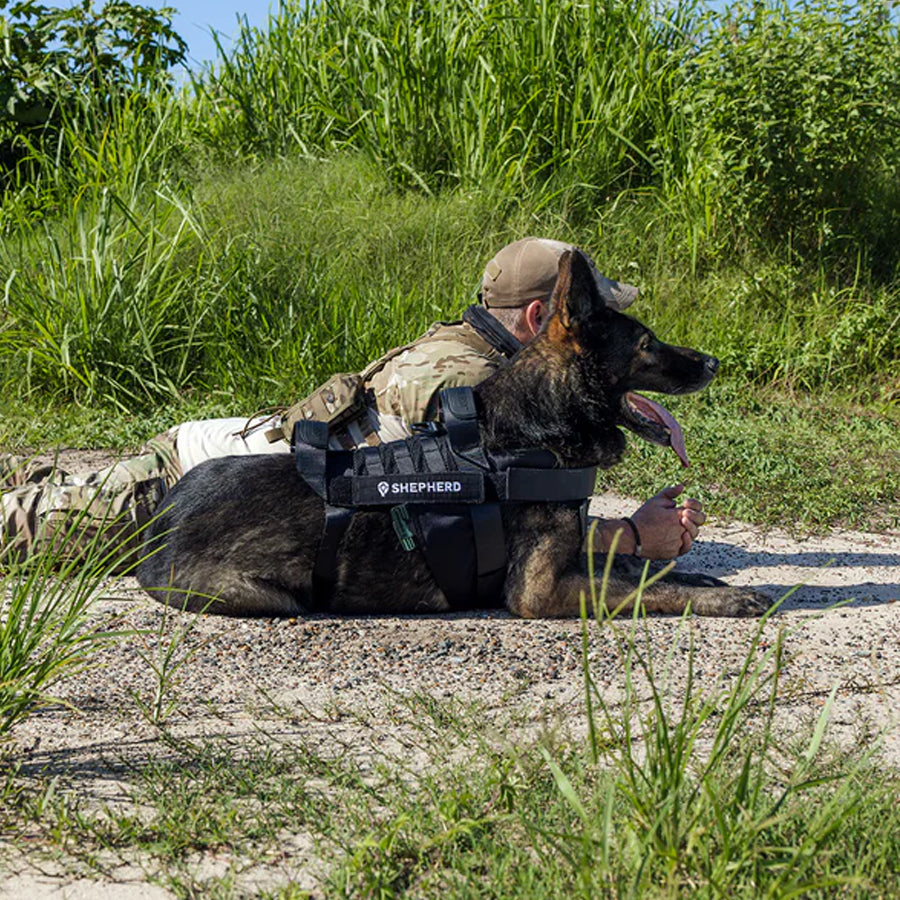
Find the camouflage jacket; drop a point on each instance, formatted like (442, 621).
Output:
(401, 387)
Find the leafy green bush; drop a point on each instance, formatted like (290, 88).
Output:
(802, 100)
(64, 67)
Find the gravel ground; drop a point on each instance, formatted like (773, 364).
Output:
(241, 676)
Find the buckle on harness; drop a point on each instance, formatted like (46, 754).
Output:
(403, 527)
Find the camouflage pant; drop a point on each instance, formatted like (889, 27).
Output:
(46, 510)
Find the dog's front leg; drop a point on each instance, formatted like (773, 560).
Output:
(539, 591)
(545, 593)
(546, 574)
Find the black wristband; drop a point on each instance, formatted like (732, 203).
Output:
(638, 550)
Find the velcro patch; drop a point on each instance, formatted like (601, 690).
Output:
(448, 487)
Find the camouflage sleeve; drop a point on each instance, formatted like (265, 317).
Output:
(407, 387)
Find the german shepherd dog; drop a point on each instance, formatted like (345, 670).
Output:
(245, 530)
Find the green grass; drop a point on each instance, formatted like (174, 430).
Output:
(687, 792)
(332, 188)
(256, 288)
(263, 281)
(44, 621)
(448, 93)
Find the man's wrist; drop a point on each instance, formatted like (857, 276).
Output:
(636, 535)
(626, 543)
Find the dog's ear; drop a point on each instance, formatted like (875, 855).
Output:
(575, 297)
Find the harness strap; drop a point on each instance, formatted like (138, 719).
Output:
(545, 485)
(490, 550)
(403, 459)
(373, 458)
(324, 576)
(492, 331)
(434, 461)
(309, 442)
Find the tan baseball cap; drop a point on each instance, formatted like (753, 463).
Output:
(526, 270)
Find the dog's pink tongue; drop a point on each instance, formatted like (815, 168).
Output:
(657, 413)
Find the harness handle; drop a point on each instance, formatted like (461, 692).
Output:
(460, 417)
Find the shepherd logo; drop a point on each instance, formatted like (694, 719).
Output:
(460, 487)
(421, 487)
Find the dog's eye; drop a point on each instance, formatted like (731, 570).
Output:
(644, 342)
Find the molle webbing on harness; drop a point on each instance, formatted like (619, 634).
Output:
(445, 493)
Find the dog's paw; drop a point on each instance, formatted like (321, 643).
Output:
(734, 602)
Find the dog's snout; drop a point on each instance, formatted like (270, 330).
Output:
(712, 364)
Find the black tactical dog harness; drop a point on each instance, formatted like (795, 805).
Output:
(444, 494)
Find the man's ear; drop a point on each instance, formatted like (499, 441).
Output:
(575, 296)
(535, 316)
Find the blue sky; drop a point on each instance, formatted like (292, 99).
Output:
(195, 18)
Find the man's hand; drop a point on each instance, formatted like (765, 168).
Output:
(667, 530)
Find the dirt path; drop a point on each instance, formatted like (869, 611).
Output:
(240, 676)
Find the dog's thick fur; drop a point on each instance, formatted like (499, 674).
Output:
(245, 530)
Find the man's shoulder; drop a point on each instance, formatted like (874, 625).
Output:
(454, 339)
(448, 348)
(406, 386)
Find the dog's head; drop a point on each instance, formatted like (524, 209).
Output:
(616, 356)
